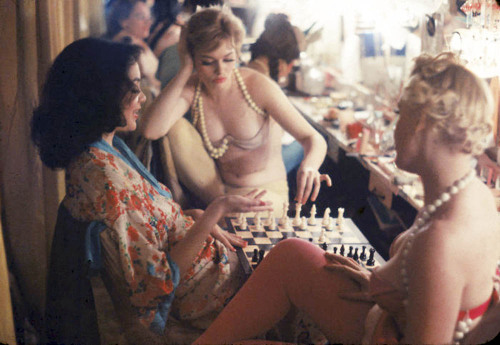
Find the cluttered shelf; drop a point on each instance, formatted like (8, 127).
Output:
(361, 149)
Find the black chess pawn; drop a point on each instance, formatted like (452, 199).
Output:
(349, 255)
(356, 256)
(335, 250)
(255, 257)
(261, 255)
(310, 239)
(371, 260)
(363, 254)
(324, 246)
(342, 250)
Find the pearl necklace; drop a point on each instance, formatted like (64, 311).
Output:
(420, 226)
(198, 114)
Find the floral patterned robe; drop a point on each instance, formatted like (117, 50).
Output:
(102, 185)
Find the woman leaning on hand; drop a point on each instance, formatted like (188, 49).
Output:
(239, 112)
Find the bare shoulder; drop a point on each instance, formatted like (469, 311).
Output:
(468, 229)
(262, 88)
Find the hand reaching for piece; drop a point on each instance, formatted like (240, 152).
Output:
(349, 267)
(309, 183)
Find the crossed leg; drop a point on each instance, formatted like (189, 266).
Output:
(291, 274)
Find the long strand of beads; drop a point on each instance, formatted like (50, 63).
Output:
(247, 96)
(420, 225)
(199, 115)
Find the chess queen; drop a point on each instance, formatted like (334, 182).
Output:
(239, 113)
(441, 280)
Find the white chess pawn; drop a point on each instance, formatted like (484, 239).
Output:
(269, 216)
(244, 224)
(303, 223)
(321, 238)
(312, 218)
(329, 226)
(326, 217)
(272, 224)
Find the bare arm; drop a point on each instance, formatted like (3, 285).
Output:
(274, 101)
(436, 284)
(173, 101)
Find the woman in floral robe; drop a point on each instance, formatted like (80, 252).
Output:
(160, 263)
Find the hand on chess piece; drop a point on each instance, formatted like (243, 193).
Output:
(308, 184)
(356, 272)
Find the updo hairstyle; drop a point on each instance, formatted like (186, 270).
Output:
(277, 41)
(207, 28)
(458, 103)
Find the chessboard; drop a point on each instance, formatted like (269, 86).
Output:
(262, 234)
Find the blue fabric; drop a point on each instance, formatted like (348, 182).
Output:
(292, 155)
(93, 244)
(158, 324)
(131, 159)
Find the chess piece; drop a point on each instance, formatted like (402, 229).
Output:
(296, 220)
(312, 217)
(244, 224)
(355, 256)
(255, 257)
(237, 221)
(284, 215)
(272, 223)
(335, 250)
(349, 255)
(363, 254)
(340, 219)
(324, 246)
(261, 255)
(326, 218)
(371, 260)
(257, 221)
(321, 238)
(330, 224)
(342, 250)
(303, 223)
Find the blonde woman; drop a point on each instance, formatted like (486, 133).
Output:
(239, 112)
(442, 277)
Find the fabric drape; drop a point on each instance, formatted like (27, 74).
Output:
(32, 34)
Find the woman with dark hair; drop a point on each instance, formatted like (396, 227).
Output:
(151, 249)
(276, 49)
(129, 21)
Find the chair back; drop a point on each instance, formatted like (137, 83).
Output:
(70, 315)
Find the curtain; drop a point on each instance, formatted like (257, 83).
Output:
(32, 34)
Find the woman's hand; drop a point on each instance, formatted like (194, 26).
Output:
(349, 267)
(250, 202)
(228, 239)
(309, 180)
(184, 54)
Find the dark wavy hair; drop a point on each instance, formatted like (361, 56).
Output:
(117, 11)
(82, 98)
(277, 41)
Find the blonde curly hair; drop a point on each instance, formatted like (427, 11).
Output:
(208, 27)
(459, 103)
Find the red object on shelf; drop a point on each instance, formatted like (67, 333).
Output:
(354, 129)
